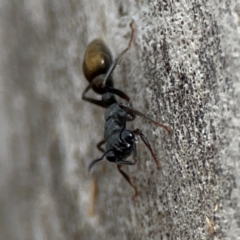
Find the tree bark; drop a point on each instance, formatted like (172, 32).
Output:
(182, 70)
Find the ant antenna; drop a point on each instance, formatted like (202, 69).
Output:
(98, 160)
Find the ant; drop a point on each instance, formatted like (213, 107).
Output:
(98, 67)
(120, 142)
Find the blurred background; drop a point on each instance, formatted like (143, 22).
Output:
(182, 69)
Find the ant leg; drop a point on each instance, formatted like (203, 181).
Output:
(91, 100)
(86, 90)
(118, 93)
(115, 62)
(133, 111)
(99, 146)
(129, 43)
(106, 89)
(129, 163)
(147, 144)
(128, 180)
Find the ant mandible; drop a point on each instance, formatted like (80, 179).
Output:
(98, 67)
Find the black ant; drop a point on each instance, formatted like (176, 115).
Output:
(98, 67)
(120, 142)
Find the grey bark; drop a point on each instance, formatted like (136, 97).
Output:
(183, 70)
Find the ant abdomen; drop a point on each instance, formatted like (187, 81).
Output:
(97, 59)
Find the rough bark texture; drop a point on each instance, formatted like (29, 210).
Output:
(183, 70)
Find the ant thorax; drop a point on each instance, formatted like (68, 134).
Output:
(115, 120)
